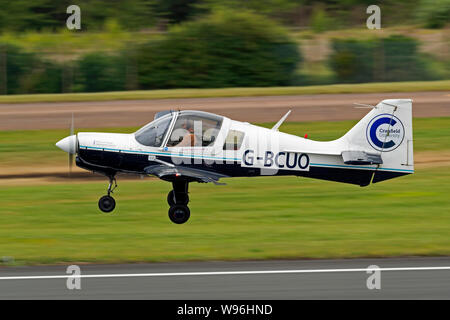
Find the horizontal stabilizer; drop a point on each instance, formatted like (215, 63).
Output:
(327, 152)
(361, 157)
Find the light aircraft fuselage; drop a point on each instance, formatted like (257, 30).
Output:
(194, 146)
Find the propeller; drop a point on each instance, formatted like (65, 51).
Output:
(69, 144)
(71, 155)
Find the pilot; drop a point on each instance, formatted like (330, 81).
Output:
(189, 139)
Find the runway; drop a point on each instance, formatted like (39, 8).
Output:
(400, 278)
(133, 113)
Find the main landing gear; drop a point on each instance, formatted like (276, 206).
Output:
(107, 203)
(178, 199)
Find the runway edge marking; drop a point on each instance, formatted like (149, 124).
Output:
(218, 273)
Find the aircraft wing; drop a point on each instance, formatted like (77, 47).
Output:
(164, 172)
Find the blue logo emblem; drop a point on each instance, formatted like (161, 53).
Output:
(385, 132)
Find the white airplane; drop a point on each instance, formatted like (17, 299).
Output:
(194, 146)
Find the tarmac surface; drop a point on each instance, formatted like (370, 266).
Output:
(125, 113)
(400, 278)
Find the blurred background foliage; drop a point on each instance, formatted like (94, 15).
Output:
(394, 58)
(150, 44)
(433, 13)
(39, 15)
(225, 49)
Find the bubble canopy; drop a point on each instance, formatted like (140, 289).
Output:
(202, 127)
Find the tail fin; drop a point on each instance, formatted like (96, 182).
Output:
(385, 133)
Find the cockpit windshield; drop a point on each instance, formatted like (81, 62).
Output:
(191, 129)
(152, 135)
(195, 129)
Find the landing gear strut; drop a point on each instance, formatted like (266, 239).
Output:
(178, 199)
(107, 203)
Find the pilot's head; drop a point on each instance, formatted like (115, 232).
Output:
(188, 125)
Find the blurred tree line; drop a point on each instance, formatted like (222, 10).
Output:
(224, 49)
(37, 15)
(394, 58)
(208, 43)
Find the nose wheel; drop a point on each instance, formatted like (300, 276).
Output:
(178, 199)
(107, 203)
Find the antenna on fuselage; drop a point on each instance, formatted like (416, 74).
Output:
(280, 122)
(363, 106)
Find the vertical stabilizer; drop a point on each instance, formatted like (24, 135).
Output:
(386, 132)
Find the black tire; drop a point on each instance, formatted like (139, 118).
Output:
(106, 203)
(170, 199)
(179, 214)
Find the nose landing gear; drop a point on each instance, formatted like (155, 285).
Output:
(178, 199)
(107, 203)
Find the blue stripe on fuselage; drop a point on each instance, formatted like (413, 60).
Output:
(168, 154)
(138, 161)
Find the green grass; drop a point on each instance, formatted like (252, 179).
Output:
(250, 218)
(38, 147)
(443, 85)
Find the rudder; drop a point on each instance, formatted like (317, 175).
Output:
(386, 133)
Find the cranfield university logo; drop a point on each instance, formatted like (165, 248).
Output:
(385, 132)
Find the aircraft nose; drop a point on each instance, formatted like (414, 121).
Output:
(68, 144)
